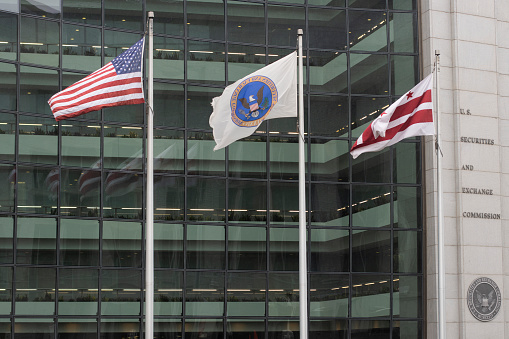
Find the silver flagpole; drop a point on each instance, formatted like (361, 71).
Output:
(149, 240)
(303, 279)
(440, 217)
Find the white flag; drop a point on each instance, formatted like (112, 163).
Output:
(270, 92)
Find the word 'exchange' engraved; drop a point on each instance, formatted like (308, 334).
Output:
(478, 141)
(470, 190)
(484, 299)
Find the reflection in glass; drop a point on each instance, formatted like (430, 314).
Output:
(328, 295)
(88, 12)
(79, 193)
(371, 251)
(328, 71)
(247, 248)
(402, 4)
(407, 329)
(205, 293)
(247, 157)
(123, 14)
(39, 41)
(407, 252)
(35, 287)
(283, 24)
(79, 242)
(169, 18)
(246, 294)
(205, 19)
(201, 159)
(168, 245)
(7, 184)
(402, 32)
(284, 249)
(6, 239)
(49, 8)
(284, 203)
(367, 4)
(403, 73)
(284, 157)
(169, 104)
(77, 291)
(120, 292)
(9, 5)
(371, 296)
(38, 140)
(327, 28)
(169, 198)
(168, 59)
(81, 48)
(372, 167)
(36, 241)
(371, 206)
(283, 294)
(37, 85)
(168, 292)
(205, 64)
(368, 74)
(80, 144)
(407, 207)
(7, 90)
(123, 147)
(121, 244)
(205, 199)
(5, 295)
(246, 22)
(245, 328)
(247, 201)
(330, 250)
(370, 329)
(407, 163)
(34, 328)
(328, 329)
(329, 205)
(330, 116)
(407, 296)
(329, 160)
(368, 31)
(37, 189)
(200, 328)
(8, 34)
(198, 106)
(283, 329)
(123, 195)
(73, 328)
(205, 246)
(243, 60)
(120, 328)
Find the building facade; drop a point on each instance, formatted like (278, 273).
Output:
(226, 222)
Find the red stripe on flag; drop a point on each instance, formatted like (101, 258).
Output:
(410, 106)
(98, 107)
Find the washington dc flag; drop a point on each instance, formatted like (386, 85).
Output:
(270, 92)
(410, 116)
(117, 83)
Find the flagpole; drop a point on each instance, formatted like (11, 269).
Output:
(440, 217)
(303, 282)
(149, 240)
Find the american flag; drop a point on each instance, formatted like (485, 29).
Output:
(117, 83)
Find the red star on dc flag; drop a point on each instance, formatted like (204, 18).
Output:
(409, 95)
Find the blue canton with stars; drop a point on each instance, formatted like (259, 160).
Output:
(130, 60)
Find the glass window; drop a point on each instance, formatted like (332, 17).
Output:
(244, 60)
(284, 157)
(284, 203)
(38, 140)
(37, 189)
(123, 14)
(246, 294)
(247, 158)
(403, 73)
(36, 241)
(33, 328)
(35, 290)
(7, 90)
(5, 295)
(330, 116)
(6, 239)
(168, 59)
(79, 193)
(121, 244)
(50, 8)
(205, 246)
(7, 188)
(123, 147)
(366, 3)
(330, 160)
(407, 207)
(123, 195)
(407, 162)
(205, 199)
(329, 205)
(245, 328)
(169, 105)
(246, 22)
(283, 328)
(88, 12)
(167, 328)
(403, 35)
(8, 34)
(371, 251)
(210, 328)
(328, 295)
(368, 31)
(364, 111)
(39, 42)
(169, 16)
(284, 249)
(80, 144)
(205, 64)
(328, 329)
(37, 86)
(368, 74)
(283, 294)
(82, 328)
(330, 250)
(120, 328)
(407, 252)
(372, 167)
(168, 292)
(77, 291)
(120, 292)
(79, 242)
(201, 157)
(247, 248)
(169, 198)
(407, 296)
(168, 245)
(402, 4)
(328, 72)
(198, 106)
(371, 296)
(284, 21)
(247, 201)
(204, 293)
(327, 28)
(407, 329)
(371, 206)
(370, 328)
(9, 5)
(205, 19)
(81, 47)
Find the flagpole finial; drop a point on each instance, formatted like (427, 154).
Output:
(300, 31)
(151, 14)
(437, 52)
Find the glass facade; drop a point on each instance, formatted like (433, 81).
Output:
(226, 233)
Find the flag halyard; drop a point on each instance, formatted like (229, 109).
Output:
(117, 83)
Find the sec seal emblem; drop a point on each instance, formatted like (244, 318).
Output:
(484, 299)
(252, 101)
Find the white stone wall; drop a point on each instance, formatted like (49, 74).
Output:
(473, 39)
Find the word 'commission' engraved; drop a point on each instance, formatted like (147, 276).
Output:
(470, 190)
(480, 215)
(478, 141)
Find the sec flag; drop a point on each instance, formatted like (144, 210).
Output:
(270, 92)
